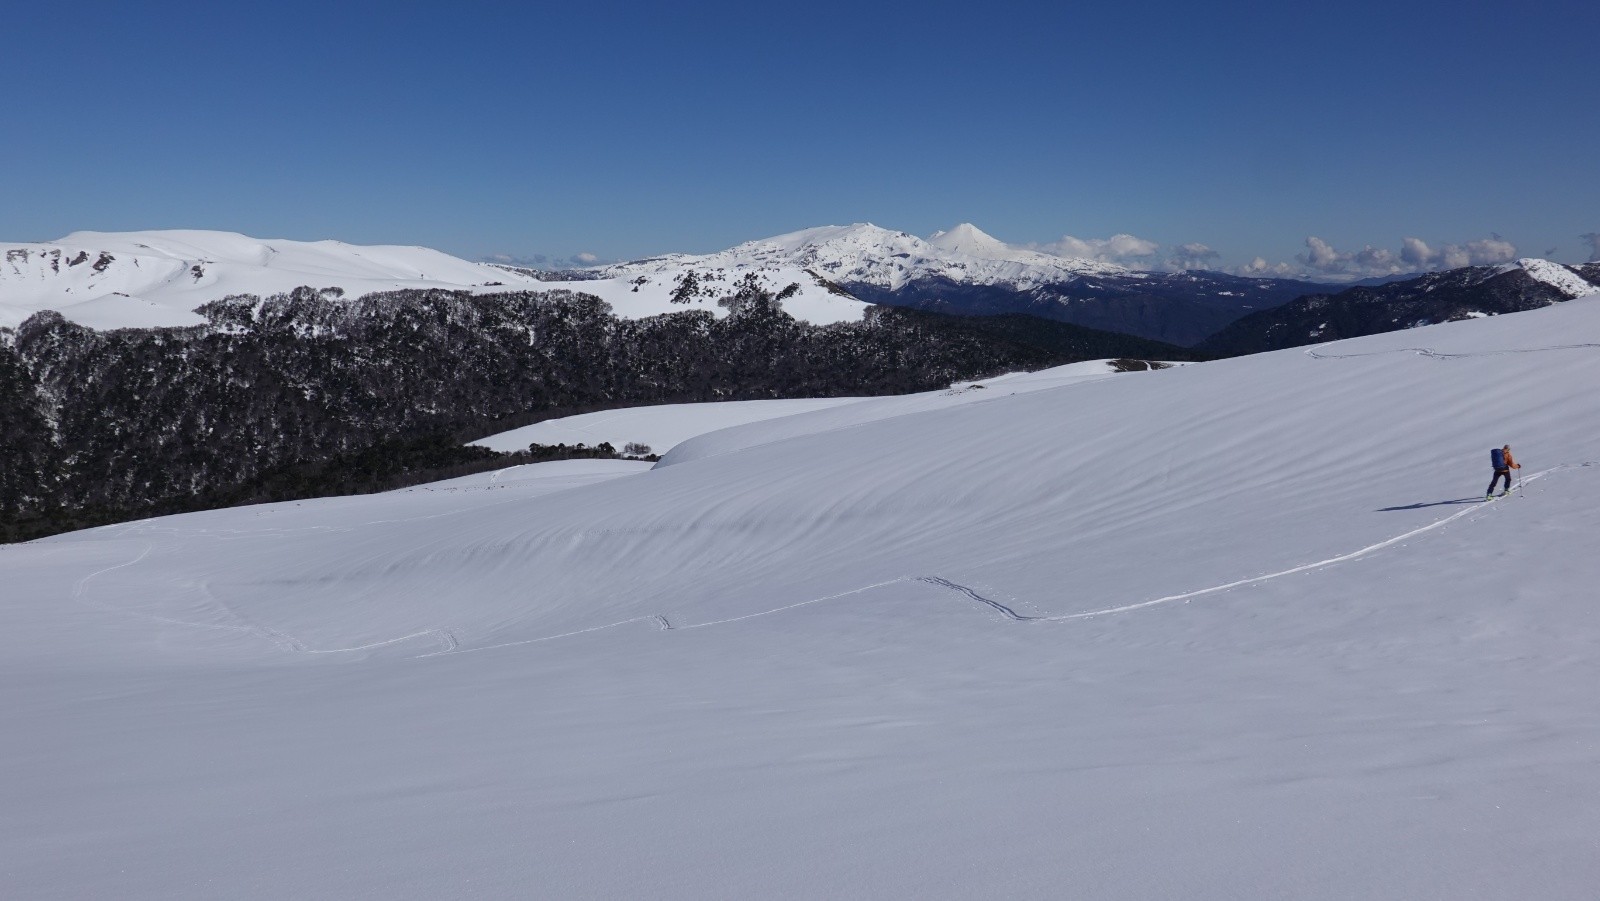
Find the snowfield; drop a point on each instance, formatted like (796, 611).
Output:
(664, 426)
(1243, 629)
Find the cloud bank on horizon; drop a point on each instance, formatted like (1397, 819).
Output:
(1321, 259)
(545, 261)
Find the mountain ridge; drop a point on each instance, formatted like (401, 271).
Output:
(154, 279)
(823, 275)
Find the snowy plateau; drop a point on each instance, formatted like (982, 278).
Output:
(1238, 629)
(108, 280)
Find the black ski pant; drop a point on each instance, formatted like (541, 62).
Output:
(1496, 480)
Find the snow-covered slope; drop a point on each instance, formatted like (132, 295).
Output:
(660, 427)
(1242, 629)
(154, 278)
(1555, 274)
(664, 426)
(866, 254)
(157, 278)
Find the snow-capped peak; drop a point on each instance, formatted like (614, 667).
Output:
(1553, 274)
(969, 239)
(867, 254)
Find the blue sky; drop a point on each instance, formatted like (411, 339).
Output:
(627, 129)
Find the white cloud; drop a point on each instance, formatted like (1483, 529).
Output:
(546, 262)
(1415, 252)
(1484, 252)
(1133, 252)
(1323, 258)
(1260, 268)
(1193, 255)
(1119, 249)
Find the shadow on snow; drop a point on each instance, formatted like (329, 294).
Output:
(1419, 506)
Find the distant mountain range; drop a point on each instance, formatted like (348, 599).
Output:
(1466, 293)
(111, 280)
(965, 271)
(147, 279)
(824, 275)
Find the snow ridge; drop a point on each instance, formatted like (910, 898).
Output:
(152, 279)
(149, 279)
(1555, 275)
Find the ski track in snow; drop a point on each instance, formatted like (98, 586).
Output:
(281, 640)
(1437, 355)
(449, 644)
(1012, 615)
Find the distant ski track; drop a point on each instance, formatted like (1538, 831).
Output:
(83, 583)
(1011, 614)
(280, 639)
(1312, 352)
(445, 637)
(1342, 558)
(660, 621)
(664, 625)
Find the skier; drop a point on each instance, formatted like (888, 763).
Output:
(1503, 463)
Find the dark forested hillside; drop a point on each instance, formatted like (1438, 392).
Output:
(300, 394)
(1368, 310)
(1176, 307)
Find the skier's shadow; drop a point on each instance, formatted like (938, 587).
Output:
(1462, 500)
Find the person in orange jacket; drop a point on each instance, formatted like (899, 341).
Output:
(1503, 463)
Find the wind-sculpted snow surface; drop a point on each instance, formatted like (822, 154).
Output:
(738, 436)
(660, 427)
(664, 426)
(1242, 629)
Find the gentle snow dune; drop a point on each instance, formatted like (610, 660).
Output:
(830, 417)
(660, 427)
(144, 279)
(1233, 630)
